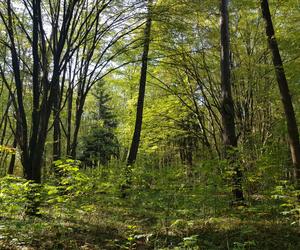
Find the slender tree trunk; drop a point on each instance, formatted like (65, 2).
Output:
(2, 138)
(78, 115)
(227, 105)
(140, 106)
(3, 134)
(69, 118)
(11, 166)
(293, 133)
(56, 129)
(75, 134)
(140, 103)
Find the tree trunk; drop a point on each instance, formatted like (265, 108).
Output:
(79, 111)
(227, 105)
(140, 106)
(69, 118)
(11, 166)
(56, 128)
(293, 134)
(140, 103)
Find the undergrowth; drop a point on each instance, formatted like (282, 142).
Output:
(165, 209)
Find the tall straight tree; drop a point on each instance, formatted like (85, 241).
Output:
(142, 86)
(293, 133)
(227, 105)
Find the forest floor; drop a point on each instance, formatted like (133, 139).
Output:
(115, 223)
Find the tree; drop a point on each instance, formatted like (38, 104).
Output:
(99, 147)
(101, 143)
(293, 133)
(227, 105)
(38, 77)
(142, 86)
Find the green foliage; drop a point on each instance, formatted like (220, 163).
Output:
(100, 146)
(190, 242)
(68, 191)
(68, 188)
(289, 197)
(244, 245)
(13, 195)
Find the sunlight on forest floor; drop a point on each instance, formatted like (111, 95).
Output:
(114, 223)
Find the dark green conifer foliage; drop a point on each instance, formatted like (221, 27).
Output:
(101, 144)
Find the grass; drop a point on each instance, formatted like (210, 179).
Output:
(122, 224)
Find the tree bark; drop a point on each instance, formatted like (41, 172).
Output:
(293, 133)
(142, 86)
(227, 105)
(11, 166)
(56, 128)
(78, 115)
(69, 117)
